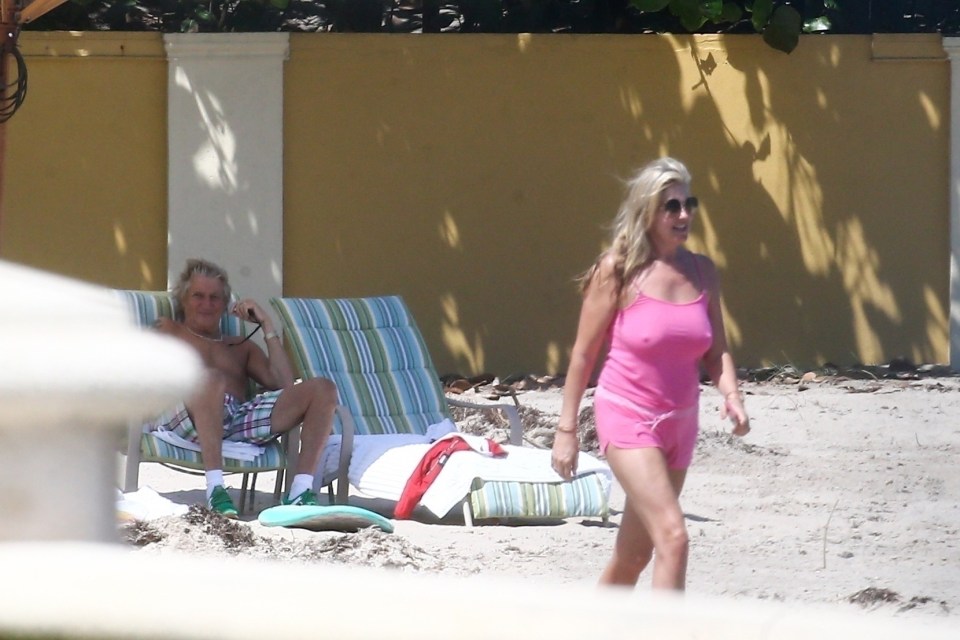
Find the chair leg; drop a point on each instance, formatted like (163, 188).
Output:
(278, 485)
(245, 490)
(467, 513)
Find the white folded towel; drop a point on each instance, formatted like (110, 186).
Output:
(244, 451)
(366, 449)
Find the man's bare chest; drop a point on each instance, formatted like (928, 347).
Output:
(228, 360)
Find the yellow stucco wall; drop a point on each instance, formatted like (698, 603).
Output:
(475, 174)
(86, 164)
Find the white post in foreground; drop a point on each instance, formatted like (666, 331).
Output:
(52, 593)
(74, 369)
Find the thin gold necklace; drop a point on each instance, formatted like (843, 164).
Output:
(202, 337)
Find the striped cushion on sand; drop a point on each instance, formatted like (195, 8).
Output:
(585, 496)
(372, 349)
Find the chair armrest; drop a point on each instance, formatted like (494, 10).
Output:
(513, 416)
(348, 428)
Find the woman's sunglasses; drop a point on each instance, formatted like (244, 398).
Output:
(673, 205)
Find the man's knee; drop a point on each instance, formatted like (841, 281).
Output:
(324, 390)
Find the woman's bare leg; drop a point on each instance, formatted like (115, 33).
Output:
(652, 519)
(631, 552)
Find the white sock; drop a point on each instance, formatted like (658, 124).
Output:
(214, 479)
(301, 482)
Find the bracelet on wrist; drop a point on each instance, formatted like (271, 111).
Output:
(567, 429)
(271, 334)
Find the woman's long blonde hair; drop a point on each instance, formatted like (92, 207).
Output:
(629, 240)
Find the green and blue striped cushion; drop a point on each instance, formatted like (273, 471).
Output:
(153, 449)
(372, 349)
(583, 497)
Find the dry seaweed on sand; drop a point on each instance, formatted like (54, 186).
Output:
(233, 534)
(372, 547)
(873, 595)
(204, 531)
(140, 533)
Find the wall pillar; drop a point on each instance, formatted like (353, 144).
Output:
(952, 47)
(225, 163)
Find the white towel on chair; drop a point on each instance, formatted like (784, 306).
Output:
(368, 449)
(244, 451)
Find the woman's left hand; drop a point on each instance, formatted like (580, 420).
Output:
(732, 408)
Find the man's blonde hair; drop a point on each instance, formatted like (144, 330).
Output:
(196, 266)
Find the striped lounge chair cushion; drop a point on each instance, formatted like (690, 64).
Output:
(585, 496)
(153, 449)
(372, 349)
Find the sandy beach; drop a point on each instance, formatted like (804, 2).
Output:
(845, 495)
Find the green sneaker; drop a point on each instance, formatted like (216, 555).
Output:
(306, 499)
(221, 502)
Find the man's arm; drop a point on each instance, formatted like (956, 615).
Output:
(271, 370)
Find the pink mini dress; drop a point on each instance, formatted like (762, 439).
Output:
(648, 393)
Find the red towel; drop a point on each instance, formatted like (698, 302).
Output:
(429, 468)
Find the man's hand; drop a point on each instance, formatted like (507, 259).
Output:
(249, 310)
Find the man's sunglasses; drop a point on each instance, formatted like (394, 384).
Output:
(673, 205)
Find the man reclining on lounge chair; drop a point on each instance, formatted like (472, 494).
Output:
(220, 409)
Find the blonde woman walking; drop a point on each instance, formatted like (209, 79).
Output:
(655, 305)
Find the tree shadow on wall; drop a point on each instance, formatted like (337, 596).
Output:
(836, 275)
(820, 262)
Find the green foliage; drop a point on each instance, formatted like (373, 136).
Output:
(650, 6)
(779, 21)
(783, 30)
(817, 25)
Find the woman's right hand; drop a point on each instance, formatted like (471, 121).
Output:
(733, 409)
(566, 450)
